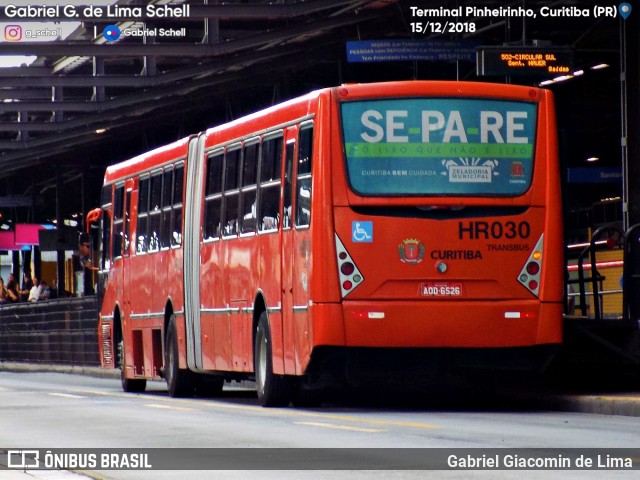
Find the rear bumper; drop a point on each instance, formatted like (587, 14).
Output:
(437, 324)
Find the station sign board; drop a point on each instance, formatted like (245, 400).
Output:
(594, 175)
(403, 50)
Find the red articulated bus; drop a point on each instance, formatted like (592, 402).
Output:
(373, 229)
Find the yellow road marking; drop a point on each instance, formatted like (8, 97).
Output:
(66, 395)
(170, 407)
(218, 405)
(339, 427)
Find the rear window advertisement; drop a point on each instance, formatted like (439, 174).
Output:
(443, 146)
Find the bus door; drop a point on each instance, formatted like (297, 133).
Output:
(192, 252)
(126, 244)
(296, 248)
(118, 233)
(287, 255)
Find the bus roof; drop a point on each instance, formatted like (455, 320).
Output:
(148, 160)
(301, 106)
(269, 110)
(436, 88)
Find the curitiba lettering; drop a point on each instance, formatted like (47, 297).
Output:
(456, 255)
(494, 230)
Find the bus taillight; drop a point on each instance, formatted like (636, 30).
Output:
(533, 268)
(350, 276)
(531, 272)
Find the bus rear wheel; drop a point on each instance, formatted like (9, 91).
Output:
(180, 382)
(273, 390)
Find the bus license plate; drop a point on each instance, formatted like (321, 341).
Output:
(441, 289)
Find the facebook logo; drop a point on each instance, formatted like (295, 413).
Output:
(361, 231)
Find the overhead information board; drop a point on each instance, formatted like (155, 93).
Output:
(403, 50)
(524, 61)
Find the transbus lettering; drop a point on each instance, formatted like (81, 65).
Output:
(391, 126)
(478, 230)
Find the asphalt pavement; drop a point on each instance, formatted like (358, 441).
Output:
(603, 403)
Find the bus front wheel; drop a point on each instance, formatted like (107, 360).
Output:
(273, 390)
(179, 382)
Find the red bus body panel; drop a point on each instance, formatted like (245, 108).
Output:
(292, 274)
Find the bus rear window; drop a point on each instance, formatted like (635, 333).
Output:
(439, 146)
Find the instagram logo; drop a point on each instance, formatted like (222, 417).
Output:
(13, 33)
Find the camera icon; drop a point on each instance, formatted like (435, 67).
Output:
(13, 33)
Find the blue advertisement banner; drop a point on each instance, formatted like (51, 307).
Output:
(594, 175)
(402, 50)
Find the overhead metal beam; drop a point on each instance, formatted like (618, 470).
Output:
(210, 68)
(48, 146)
(13, 93)
(53, 105)
(79, 81)
(26, 71)
(133, 104)
(121, 49)
(134, 107)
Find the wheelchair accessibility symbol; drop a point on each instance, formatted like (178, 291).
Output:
(361, 232)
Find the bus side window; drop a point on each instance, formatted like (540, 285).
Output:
(270, 164)
(213, 196)
(231, 193)
(155, 217)
(143, 215)
(248, 219)
(176, 213)
(127, 224)
(288, 185)
(165, 224)
(118, 204)
(303, 183)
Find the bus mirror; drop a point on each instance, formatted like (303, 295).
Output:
(93, 216)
